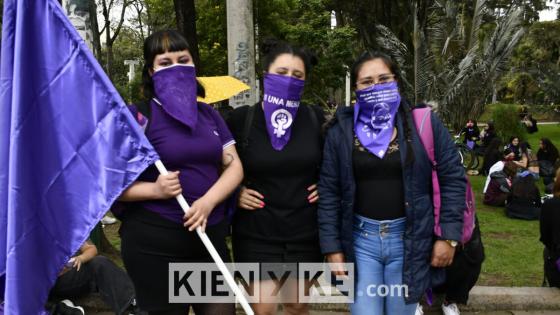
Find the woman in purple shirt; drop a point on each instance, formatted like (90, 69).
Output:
(192, 140)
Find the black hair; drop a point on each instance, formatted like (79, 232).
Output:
(404, 109)
(371, 55)
(524, 147)
(524, 187)
(513, 137)
(159, 43)
(272, 48)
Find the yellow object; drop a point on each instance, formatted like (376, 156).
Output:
(220, 88)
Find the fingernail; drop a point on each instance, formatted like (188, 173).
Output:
(262, 204)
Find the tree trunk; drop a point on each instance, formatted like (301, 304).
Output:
(186, 24)
(95, 29)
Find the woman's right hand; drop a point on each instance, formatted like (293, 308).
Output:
(167, 186)
(250, 199)
(337, 260)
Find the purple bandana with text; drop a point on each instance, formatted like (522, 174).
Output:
(282, 95)
(374, 116)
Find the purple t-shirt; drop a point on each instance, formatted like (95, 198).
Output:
(196, 154)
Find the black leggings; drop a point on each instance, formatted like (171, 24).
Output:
(150, 242)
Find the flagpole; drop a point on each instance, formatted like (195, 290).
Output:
(211, 249)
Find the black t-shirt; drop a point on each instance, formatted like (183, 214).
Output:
(282, 177)
(379, 183)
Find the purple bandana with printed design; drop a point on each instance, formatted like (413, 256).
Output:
(282, 95)
(374, 116)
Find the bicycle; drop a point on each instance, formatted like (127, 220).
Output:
(469, 158)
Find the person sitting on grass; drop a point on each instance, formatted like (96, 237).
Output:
(507, 155)
(492, 154)
(524, 202)
(86, 273)
(499, 187)
(550, 235)
(529, 161)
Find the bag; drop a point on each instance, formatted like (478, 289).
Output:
(423, 121)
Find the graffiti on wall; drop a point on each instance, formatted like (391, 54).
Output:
(241, 68)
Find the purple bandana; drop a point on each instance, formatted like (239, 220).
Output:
(175, 89)
(280, 103)
(374, 116)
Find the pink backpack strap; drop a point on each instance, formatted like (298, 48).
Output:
(423, 121)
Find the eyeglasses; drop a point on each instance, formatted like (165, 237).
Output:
(384, 78)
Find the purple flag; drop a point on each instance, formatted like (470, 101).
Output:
(68, 148)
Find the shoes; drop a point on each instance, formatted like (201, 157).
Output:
(66, 307)
(107, 220)
(419, 310)
(450, 309)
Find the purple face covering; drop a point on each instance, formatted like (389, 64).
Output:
(281, 102)
(175, 90)
(374, 116)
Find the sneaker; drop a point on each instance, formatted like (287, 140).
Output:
(419, 310)
(450, 309)
(107, 220)
(66, 307)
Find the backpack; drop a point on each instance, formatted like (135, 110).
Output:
(423, 122)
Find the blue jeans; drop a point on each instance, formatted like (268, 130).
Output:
(379, 252)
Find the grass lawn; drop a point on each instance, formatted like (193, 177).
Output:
(513, 250)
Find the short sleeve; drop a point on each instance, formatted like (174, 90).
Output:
(223, 131)
(141, 119)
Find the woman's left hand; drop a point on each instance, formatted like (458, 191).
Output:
(198, 214)
(314, 194)
(442, 254)
(77, 263)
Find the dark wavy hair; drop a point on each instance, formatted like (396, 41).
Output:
(272, 48)
(159, 43)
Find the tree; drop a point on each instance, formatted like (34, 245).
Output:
(107, 7)
(185, 14)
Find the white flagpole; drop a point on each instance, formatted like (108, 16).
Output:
(212, 250)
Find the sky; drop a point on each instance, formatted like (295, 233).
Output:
(549, 15)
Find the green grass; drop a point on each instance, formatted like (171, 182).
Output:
(513, 250)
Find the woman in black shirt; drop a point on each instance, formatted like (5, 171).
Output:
(281, 149)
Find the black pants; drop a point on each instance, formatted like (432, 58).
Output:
(551, 271)
(97, 275)
(463, 273)
(150, 243)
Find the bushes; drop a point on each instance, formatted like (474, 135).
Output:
(507, 122)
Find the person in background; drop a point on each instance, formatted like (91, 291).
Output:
(194, 142)
(530, 123)
(513, 145)
(471, 134)
(499, 186)
(507, 155)
(487, 135)
(550, 235)
(524, 202)
(463, 273)
(85, 273)
(373, 148)
(548, 160)
(281, 150)
(492, 154)
(528, 160)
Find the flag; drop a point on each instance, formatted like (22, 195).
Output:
(68, 149)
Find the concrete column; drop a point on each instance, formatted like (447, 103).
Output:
(78, 13)
(241, 49)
